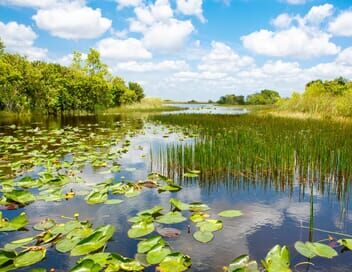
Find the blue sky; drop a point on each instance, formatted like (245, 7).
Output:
(191, 49)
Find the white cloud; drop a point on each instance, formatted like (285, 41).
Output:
(342, 25)
(168, 36)
(116, 49)
(345, 56)
(295, 2)
(160, 30)
(282, 21)
(222, 58)
(30, 3)
(72, 21)
(191, 7)
(20, 38)
(296, 42)
(318, 14)
(142, 67)
(128, 3)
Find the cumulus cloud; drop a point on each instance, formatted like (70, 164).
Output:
(159, 28)
(30, 3)
(20, 38)
(147, 67)
(128, 3)
(128, 49)
(342, 25)
(296, 37)
(72, 21)
(191, 7)
(222, 58)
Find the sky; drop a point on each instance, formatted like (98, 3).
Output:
(190, 49)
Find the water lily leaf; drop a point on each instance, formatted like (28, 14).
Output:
(65, 228)
(101, 258)
(175, 262)
(243, 264)
(230, 213)
(38, 270)
(157, 254)
(86, 266)
(198, 217)
(190, 175)
(14, 224)
(346, 243)
(277, 259)
(169, 188)
(30, 257)
(6, 256)
(153, 211)
(311, 250)
(66, 245)
(20, 196)
(119, 262)
(44, 225)
(96, 197)
(179, 205)
(94, 241)
(18, 243)
(203, 236)
(198, 207)
(210, 225)
(171, 218)
(140, 229)
(113, 201)
(146, 245)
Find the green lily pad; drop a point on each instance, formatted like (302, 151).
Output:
(146, 245)
(6, 256)
(243, 264)
(230, 213)
(171, 218)
(175, 262)
(20, 196)
(113, 201)
(203, 236)
(210, 225)
(86, 266)
(179, 205)
(140, 229)
(14, 224)
(44, 225)
(311, 250)
(29, 257)
(94, 241)
(157, 254)
(346, 243)
(277, 259)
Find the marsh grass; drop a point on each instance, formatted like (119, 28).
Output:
(284, 151)
(148, 104)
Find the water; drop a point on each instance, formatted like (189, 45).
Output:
(206, 109)
(271, 215)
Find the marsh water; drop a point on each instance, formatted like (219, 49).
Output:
(278, 207)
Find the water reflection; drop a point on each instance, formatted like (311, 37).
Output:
(274, 212)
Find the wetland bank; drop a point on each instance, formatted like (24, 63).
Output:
(175, 191)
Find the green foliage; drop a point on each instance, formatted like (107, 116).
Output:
(231, 99)
(51, 88)
(324, 98)
(265, 97)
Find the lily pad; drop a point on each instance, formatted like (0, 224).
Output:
(243, 264)
(20, 196)
(146, 245)
(140, 229)
(171, 218)
(157, 254)
(14, 224)
(32, 256)
(175, 262)
(311, 250)
(203, 236)
(230, 213)
(210, 225)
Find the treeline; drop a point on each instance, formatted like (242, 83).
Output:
(37, 86)
(265, 97)
(325, 98)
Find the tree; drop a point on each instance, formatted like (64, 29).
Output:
(2, 47)
(94, 65)
(231, 99)
(265, 97)
(134, 86)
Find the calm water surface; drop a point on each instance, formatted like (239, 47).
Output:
(271, 216)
